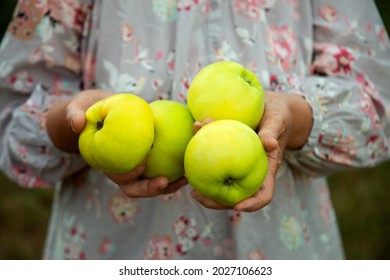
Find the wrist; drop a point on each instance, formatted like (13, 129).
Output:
(302, 121)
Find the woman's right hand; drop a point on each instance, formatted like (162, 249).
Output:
(66, 120)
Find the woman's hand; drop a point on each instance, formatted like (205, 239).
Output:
(135, 186)
(66, 120)
(286, 124)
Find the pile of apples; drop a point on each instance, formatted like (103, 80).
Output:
(225, 160)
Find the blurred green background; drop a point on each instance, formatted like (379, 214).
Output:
(361, 199)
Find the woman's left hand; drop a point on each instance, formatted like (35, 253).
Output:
(286, 124)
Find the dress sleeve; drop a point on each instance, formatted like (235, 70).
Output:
(40, 64)
(348, 89)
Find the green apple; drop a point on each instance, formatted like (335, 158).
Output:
(226, 90)
(173, 129)
(226, 161)
(118, 134)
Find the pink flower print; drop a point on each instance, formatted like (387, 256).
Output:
(339, 146)
(123, 208)
(187, 234)
(76, 238)
(367, 106)
(329, 13)
(159, 248)
(25, 177)
(367, 85)
(256, 255)
(377, 147)
(185, 5)
(253, 9)
(381, 34)
(21, 81)
(43, 53)
(254, 12)
(235, 218)
(250, 8)
(73, 251)
(285, 83)
(27, 17)
(22, 152)
(332, 59)
(126, 33)
(106, 247)
(225, 249)
(79, 17)
(283, 46)
(240, 6)
(344, 59)
(70, 13)
(171, 61)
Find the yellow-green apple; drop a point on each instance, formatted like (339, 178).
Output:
(226, 161)
(118, 134)
(173, 129)
(226, 90)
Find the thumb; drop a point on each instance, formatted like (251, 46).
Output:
(77, 121)
(270, 132)
(78, 106)
(75, 115)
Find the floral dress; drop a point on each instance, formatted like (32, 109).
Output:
(336, 56)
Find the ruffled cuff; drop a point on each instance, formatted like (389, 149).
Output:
(30, 158)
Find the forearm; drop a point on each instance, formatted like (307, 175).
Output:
(301, 121)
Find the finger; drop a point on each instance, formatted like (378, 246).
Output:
(145, 187)
(208, 203)
(126, 178)
(270, 130)
(77, 121)
(265, 194)
(260, 199)
(175, 186)
(198, 124)
(78, 106)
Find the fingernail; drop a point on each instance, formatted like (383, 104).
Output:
(72, 120)
(163, 182)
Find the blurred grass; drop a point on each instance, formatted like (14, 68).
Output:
(361, 199)
(362, 203)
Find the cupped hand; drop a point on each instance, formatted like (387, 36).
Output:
(131, 183)
(135, 186)
(66, 119)
(286, 123)
(65, 122)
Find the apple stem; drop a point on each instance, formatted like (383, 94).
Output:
(99, 125)
(229, 181)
